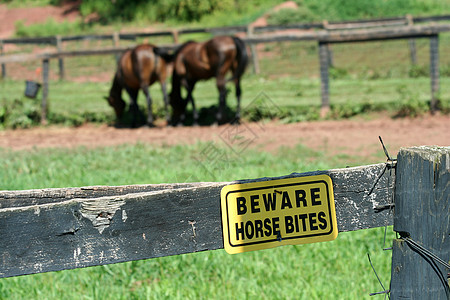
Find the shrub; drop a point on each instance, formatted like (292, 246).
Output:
(20, 113)
(50, 27)
(416, 71)
(350, 109)
(445, 71)
(337, 73)
(409, 104)
(159, 10)
(291, 16)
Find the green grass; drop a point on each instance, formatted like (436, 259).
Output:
(140, 164)
(291, 98)
(331, 270)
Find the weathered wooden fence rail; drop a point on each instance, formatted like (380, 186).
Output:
(55, 229)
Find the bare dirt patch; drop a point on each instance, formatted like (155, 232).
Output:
(33, 15)
(352, 137)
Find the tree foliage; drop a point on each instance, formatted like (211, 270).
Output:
(154, 10)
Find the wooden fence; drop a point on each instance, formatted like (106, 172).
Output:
(58, 41)
(56, 229)
(326, 35)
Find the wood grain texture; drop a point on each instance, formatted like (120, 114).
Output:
(422, 210)
(56, 229)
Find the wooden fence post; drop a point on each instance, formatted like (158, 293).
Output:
(60, 60)
(412, 42)
(175, 36)
(116, 39)
(324, 78)
(3, 65)
(45, 76)
(412, 51)
(422, 214)
(434, 71)
(253, 51)
(330, 51)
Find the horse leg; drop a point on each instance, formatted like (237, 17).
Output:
(237, 82)
(220, 116)
(190, 88)
(133, 105)
(149, 106)
(166, 101)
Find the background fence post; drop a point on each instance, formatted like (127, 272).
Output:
(253, 51)
(434, 71)
(60, 60)
(421, 213)
(3, 65)
(411, 42)
(116, 39)
(412, 51)
(45, 76)
(330, 51)
(175, 36)
(324, 78)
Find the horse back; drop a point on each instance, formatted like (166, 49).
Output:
(207, 59)
(141, 66)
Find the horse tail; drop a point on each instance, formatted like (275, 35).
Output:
(241, 56)
(135, 65)
(170, 53)
(164, 53)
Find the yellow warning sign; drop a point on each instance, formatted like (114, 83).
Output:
(269, 214)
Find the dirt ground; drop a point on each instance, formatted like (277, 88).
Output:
(353, 137)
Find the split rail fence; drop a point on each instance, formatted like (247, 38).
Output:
(55, 229)
(325, 33)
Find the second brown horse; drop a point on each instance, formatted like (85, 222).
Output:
(200, 61)
(137, 69)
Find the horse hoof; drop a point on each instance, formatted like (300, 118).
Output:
(236, 122)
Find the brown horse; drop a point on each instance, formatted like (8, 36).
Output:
(201, 61)
(137, 69)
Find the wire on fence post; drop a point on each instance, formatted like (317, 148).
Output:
(386, 292)
(391, 164)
